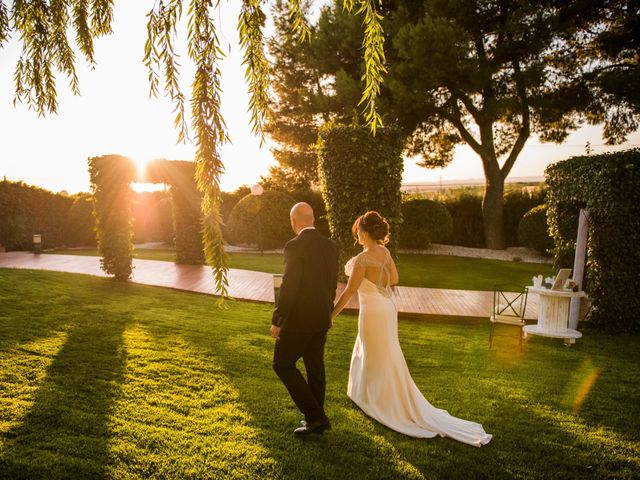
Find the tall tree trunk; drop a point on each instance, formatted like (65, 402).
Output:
(492, 208)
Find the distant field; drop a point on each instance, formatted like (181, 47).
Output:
(451, 189)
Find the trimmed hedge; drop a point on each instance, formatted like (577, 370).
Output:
(80, 222)
(26, 210)
(360, 172)
(424, 222)
(265, 216)
(466, 212)
(516, 204)
(186, 201)
(608, 186)
(110, 178)
(533, 231)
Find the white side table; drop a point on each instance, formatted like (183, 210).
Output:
(553, 314)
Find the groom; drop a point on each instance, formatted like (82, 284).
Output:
(303, 316)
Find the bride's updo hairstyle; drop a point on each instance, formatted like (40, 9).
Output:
(374, 224)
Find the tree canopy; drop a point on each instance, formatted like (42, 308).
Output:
(489, 74)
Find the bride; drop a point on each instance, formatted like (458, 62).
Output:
(379, 379)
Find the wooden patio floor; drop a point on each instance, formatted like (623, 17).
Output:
(258, 286)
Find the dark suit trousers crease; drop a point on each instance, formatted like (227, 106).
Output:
(308, 395)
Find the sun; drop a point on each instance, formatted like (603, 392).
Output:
(140, 186)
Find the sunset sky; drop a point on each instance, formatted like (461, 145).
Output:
(115, 115)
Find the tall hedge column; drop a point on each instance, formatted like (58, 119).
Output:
(112, 196)
(185, 201)
(360, 172)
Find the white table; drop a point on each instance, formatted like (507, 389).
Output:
(553, 314)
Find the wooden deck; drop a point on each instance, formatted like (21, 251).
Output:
(258, 286)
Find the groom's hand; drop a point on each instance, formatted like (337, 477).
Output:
(275, 332)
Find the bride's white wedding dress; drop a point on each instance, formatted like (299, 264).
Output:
(379, 379)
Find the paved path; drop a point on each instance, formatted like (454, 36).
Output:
(258, 286)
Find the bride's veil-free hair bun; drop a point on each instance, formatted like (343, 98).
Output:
(374, 224)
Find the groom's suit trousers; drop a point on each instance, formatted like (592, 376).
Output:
(308, 395)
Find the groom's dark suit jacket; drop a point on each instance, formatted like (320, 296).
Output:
(309, 284)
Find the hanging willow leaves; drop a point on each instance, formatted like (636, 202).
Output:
(159, 54)
(43, 27)
(299, 24)
(4, 23)
(250, 25)
(374, 60)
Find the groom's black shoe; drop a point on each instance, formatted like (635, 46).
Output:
(308, 428)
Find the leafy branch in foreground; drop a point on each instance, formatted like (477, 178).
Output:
(159, 53)
(210, 131)
(374, 60)
(250, 25)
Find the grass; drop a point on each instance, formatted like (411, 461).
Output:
(123, 381)
(430, 271)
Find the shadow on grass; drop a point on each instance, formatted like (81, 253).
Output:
(21, 321)
(534, 436)
(357, 447)
(66, 431)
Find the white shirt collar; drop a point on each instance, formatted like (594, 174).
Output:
(306, 228)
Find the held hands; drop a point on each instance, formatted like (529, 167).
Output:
(275, 332)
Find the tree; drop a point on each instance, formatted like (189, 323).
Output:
(43, 28)
(491, 74)
(293, 124)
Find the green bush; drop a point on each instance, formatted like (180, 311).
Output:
(264, 217)
(608, 186)
(466, 213)
(360, 172)
(533, 231)
(229, 200)
(516, 204)
(424, 222)
(110, 178)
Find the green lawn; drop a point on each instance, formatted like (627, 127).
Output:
(123, 381)
(430, 271)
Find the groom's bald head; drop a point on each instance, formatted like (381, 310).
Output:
(301, 216)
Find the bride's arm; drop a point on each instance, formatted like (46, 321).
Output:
(352, 287)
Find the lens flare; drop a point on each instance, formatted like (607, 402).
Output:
(585, 388)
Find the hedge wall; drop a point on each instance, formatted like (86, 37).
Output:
(466, 212)
(608, 186)
(516, 204)
(186, 200)
(80, 221)
(533, 231)
(26, 210)
(359, 172)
